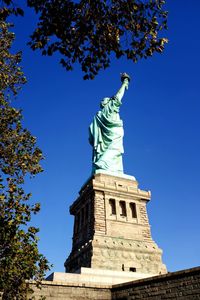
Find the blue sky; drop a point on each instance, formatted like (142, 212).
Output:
(162, 146)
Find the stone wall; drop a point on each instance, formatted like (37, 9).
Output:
(184, 285)
(64, 291)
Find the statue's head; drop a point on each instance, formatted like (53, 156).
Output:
(104, 102)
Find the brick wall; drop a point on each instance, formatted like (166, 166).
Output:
(184, 285)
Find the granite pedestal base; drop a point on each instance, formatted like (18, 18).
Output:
(97, 277)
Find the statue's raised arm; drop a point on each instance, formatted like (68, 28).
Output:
(106, 134)
(125, 79)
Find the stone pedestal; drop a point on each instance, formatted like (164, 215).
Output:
(111, 228)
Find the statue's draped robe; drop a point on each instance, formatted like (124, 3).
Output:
(106, 137)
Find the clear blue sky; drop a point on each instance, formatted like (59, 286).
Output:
(162, 146)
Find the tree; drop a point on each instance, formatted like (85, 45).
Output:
(90, 32)
(19, 156)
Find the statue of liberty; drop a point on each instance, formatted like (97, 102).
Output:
(106, 134)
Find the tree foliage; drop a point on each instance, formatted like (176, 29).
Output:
(19, 156)
(89, 32)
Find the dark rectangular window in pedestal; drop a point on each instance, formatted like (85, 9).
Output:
(112, 205)
(87, 212)
(133, 210)
(82, 216)
(122, 205)
(132, 269)
(78, 222)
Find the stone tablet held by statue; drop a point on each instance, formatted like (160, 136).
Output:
(106, 134)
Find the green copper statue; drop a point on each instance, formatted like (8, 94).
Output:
(106, 134)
